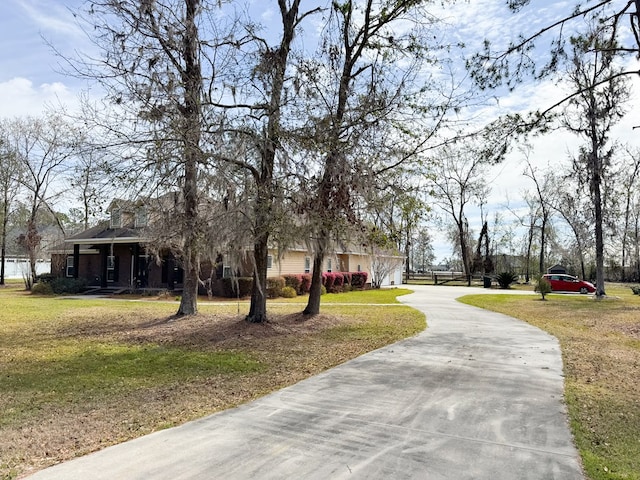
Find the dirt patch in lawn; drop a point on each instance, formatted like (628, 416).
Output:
(287, 349)
(631, 330)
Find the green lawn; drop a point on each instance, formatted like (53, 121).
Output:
(600, 343)
(77, 375)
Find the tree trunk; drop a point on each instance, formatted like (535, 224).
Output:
(313, 304)
(529, 244)
(3, 247)
(597, 200)
(543, 229)
(192, 128)
(189, 299)
(258, 308)
(407, 254)
(464, 252)
(264, 197)
(32, 243)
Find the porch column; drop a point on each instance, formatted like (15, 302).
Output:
(136, 265)
(76, 259)
(170, 262)
(104, 253)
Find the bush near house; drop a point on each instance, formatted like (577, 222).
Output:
(59, 285)
(358, 279)
(41, 288)
(275, 286)
(338, 282)
(305, 285)
(289, 292)
(237, 287)
(300, 282)
(327, 280)
(333, 282)
(293, 281)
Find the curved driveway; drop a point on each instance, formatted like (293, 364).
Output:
(477, 395)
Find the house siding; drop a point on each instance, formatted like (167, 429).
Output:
(291, 263)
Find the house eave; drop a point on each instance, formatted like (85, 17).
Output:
(105, 241)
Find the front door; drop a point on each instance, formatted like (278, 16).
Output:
(140, 271)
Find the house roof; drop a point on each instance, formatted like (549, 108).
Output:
(557, 268)
(103, 234)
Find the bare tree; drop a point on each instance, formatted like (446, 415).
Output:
(457, 180)
(10, 178)
(354, 89)
(629, 174)
(150, 63)
(423, 254)
(574, 206)
(591, 115)
(530, 220)
(396, 206)
(262, 111)
(89, 182)
(542, 200)
(44, 147)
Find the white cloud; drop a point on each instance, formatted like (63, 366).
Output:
(19, 96)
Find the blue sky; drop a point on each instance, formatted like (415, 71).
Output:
(29, 71)
(31, 78)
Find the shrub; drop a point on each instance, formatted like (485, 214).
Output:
(237, 287)
(293, 281)
(275, 286)
(333, 281)
(543, 287)
(68, 285)
(288, 292)
(305, 283)
(505, 279)
(346, 288)
(45, 278)
(323, 290)
(635, 290)
(327, 281)
(338, 282)
(358, 280)
(42, 288)
(346, 279)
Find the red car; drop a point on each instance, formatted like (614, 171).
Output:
(568, 283)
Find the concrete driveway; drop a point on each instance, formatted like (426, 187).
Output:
(478, 395)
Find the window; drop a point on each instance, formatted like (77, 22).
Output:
(359, 268)
(329, 269)
(116, 219)
(141, 218)
(269, 261)
(307, 264)
(226, 271)
(111, 268)
(69, 269)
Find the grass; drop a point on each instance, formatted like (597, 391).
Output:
(79, 375)
(600, 343)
